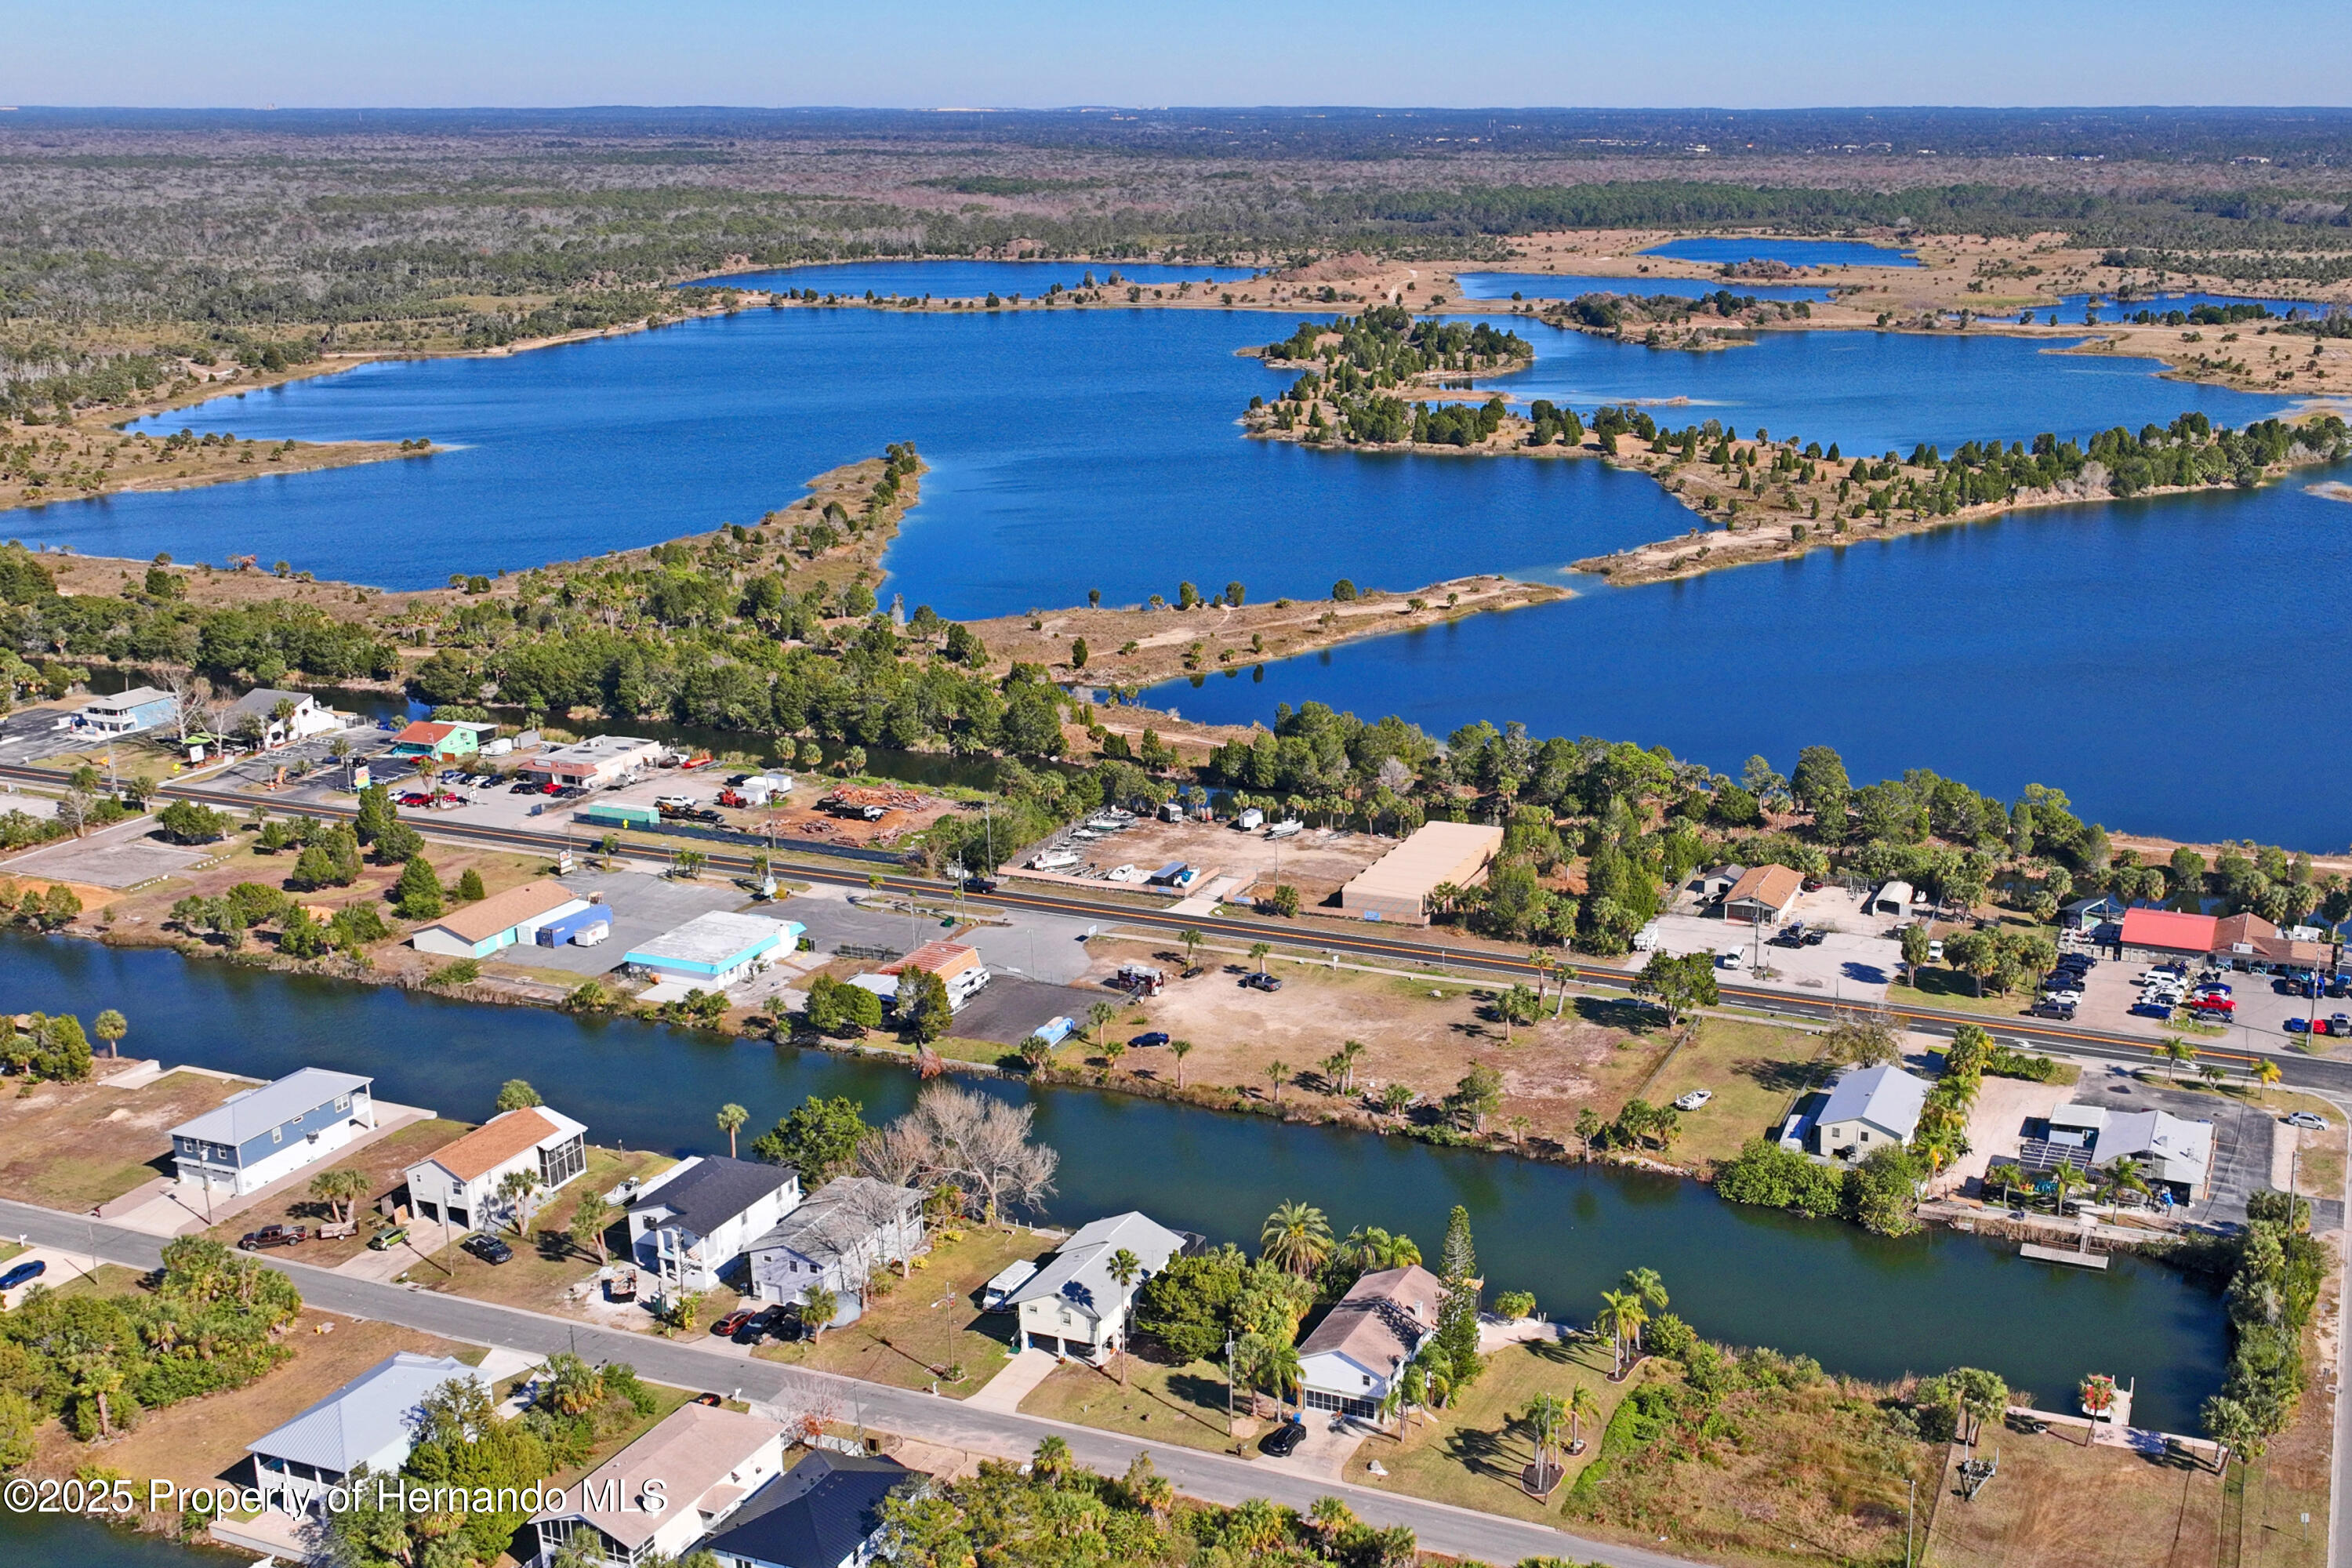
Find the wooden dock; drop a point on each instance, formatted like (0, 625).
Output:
(2063, 1255)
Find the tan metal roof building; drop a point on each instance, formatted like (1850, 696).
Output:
(1763, 895)
(1397, 886)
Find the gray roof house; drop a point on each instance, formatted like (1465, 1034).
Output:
(824, 1513)
(2171, 1151)
(693, 1222)
(368, 1421)
(1868, 1108)
(1075, 1300)
(844, 1231)
(252, 1139)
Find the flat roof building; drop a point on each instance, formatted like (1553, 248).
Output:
(1397, 886)
(714, 951)
(598, 760)
(126, 712)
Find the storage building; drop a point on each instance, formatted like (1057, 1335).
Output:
(501, 921)
(714, 951)
(612, 814)
(597, 761)
(1397, 886)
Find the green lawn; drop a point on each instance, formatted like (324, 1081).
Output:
(1471, 1454)
(1950, 989)
(549, 1263)
(928, 1328)
(1180, 1404)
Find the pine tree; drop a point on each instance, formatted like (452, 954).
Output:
(417, 894)
(1454, 1350)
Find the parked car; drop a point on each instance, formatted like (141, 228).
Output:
(1694, 1099)
(768, 1321)
(526, 787)
(489, 1249)
(387, 1238)
(413, 798)
(734, 1323)
(1283, 1441)
(270, 1235)
(1734, 959)
(2213, 1003)
(2296, 1026)
(1153, 1037)
(2145, 1008)
(1258, 979)
(2309, 1120)
(1935, 950)
(1815, 938)
(23, 1274)
(2321, 1026)
(2062, 1011)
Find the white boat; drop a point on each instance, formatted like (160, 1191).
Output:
(1054, 860)
(1286, 830)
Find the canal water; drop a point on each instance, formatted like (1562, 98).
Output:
(59, 1541)
(1861, 1304)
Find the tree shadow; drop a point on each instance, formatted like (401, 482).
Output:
(1779, 1077)
(1484, 1453)
(1616, 1013)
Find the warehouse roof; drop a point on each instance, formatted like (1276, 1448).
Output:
(479, 922)
(711, 938)
(1438, 852)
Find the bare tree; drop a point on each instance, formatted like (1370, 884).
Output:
(190, 693)
(979, 1144)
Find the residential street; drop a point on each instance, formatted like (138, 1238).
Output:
(686, 1365)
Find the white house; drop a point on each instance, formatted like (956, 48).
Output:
(257, 714)
(459, 1182)
(669, 1489)
(2171, 1150)
(845, 1230)
(126, 712)
(1870, 1108)
(501, 921)
(368, 1421)
(251, 1139)
(691, 1223)
(824, 1513)
(1074, 1299)
(1352, 1358)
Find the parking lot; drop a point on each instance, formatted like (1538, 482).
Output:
(120, 857)
(1852, 962)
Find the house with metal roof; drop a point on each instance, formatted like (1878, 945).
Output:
(1869, 1107)
(844, 1231)
(2171, 1150)
(698, 1219)
(1763, 896)
(276, 717)
(1352, 1358)
(501, 921)
(1076, 1301)
(688, 1476)
(2168, 933)
(459, 1182)
(824, 1513)
(369, 1421)
(251, 1139)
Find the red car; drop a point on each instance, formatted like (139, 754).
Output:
(414, 798)
(732, 1323)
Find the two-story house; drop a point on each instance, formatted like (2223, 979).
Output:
(1076, 1300)
(459, 1182)
(1348, 1363)
(697, 1219)
(845, 1230)
(250, 1139)
(666, 1490)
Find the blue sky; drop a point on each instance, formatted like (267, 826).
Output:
(1048, 53)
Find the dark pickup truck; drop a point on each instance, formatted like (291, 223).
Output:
(270, 1235)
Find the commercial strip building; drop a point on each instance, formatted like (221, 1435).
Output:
(1398, 887)
(2229, 939)
(593, 763)
(251, 1139)
(459, 1183)
(443, 742)
(500, 920)
(369, 1421)
(714, 951)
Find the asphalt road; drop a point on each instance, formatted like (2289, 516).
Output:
(685, 1363)
(2300, 1071)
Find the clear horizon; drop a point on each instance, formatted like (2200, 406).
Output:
(919, 54)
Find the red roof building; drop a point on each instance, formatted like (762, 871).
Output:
(2167, 931)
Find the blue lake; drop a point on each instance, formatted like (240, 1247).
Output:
(1723, 249)
(1557, 286)
(967, 280)
(1098, 449)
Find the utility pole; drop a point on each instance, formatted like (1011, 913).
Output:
(1910, 1514)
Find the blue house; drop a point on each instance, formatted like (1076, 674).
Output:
(252, 1139)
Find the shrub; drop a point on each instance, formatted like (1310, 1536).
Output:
(1516, 1304)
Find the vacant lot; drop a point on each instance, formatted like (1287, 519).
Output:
(2057, 1504)
(386, 1163)
(928, 1327)
(1315, 861)
(1151, 1399)
(71, 1145)
(200, 1441)
(1755, 1071)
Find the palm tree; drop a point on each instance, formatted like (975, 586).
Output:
(1278, 1370)
(1582, 1405)
(2177, 1051)
(111, 1026)
(1614, 1307)
(2213, 1073)
(2066, 1179)
(817, 1309)
(1645, 1287)
(340, 1189)
(521, 1189)
(1296, 1237)
(1346, 1055)
(1192, 941)
(1544, 1414)
(731, 1117)
(1277, 1073)
(2266, 1073)
(1258, 952)
(1098, 1018)
(588, 1223)
(1124, 1267)
(2128, 1176)
(1180, 1049)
